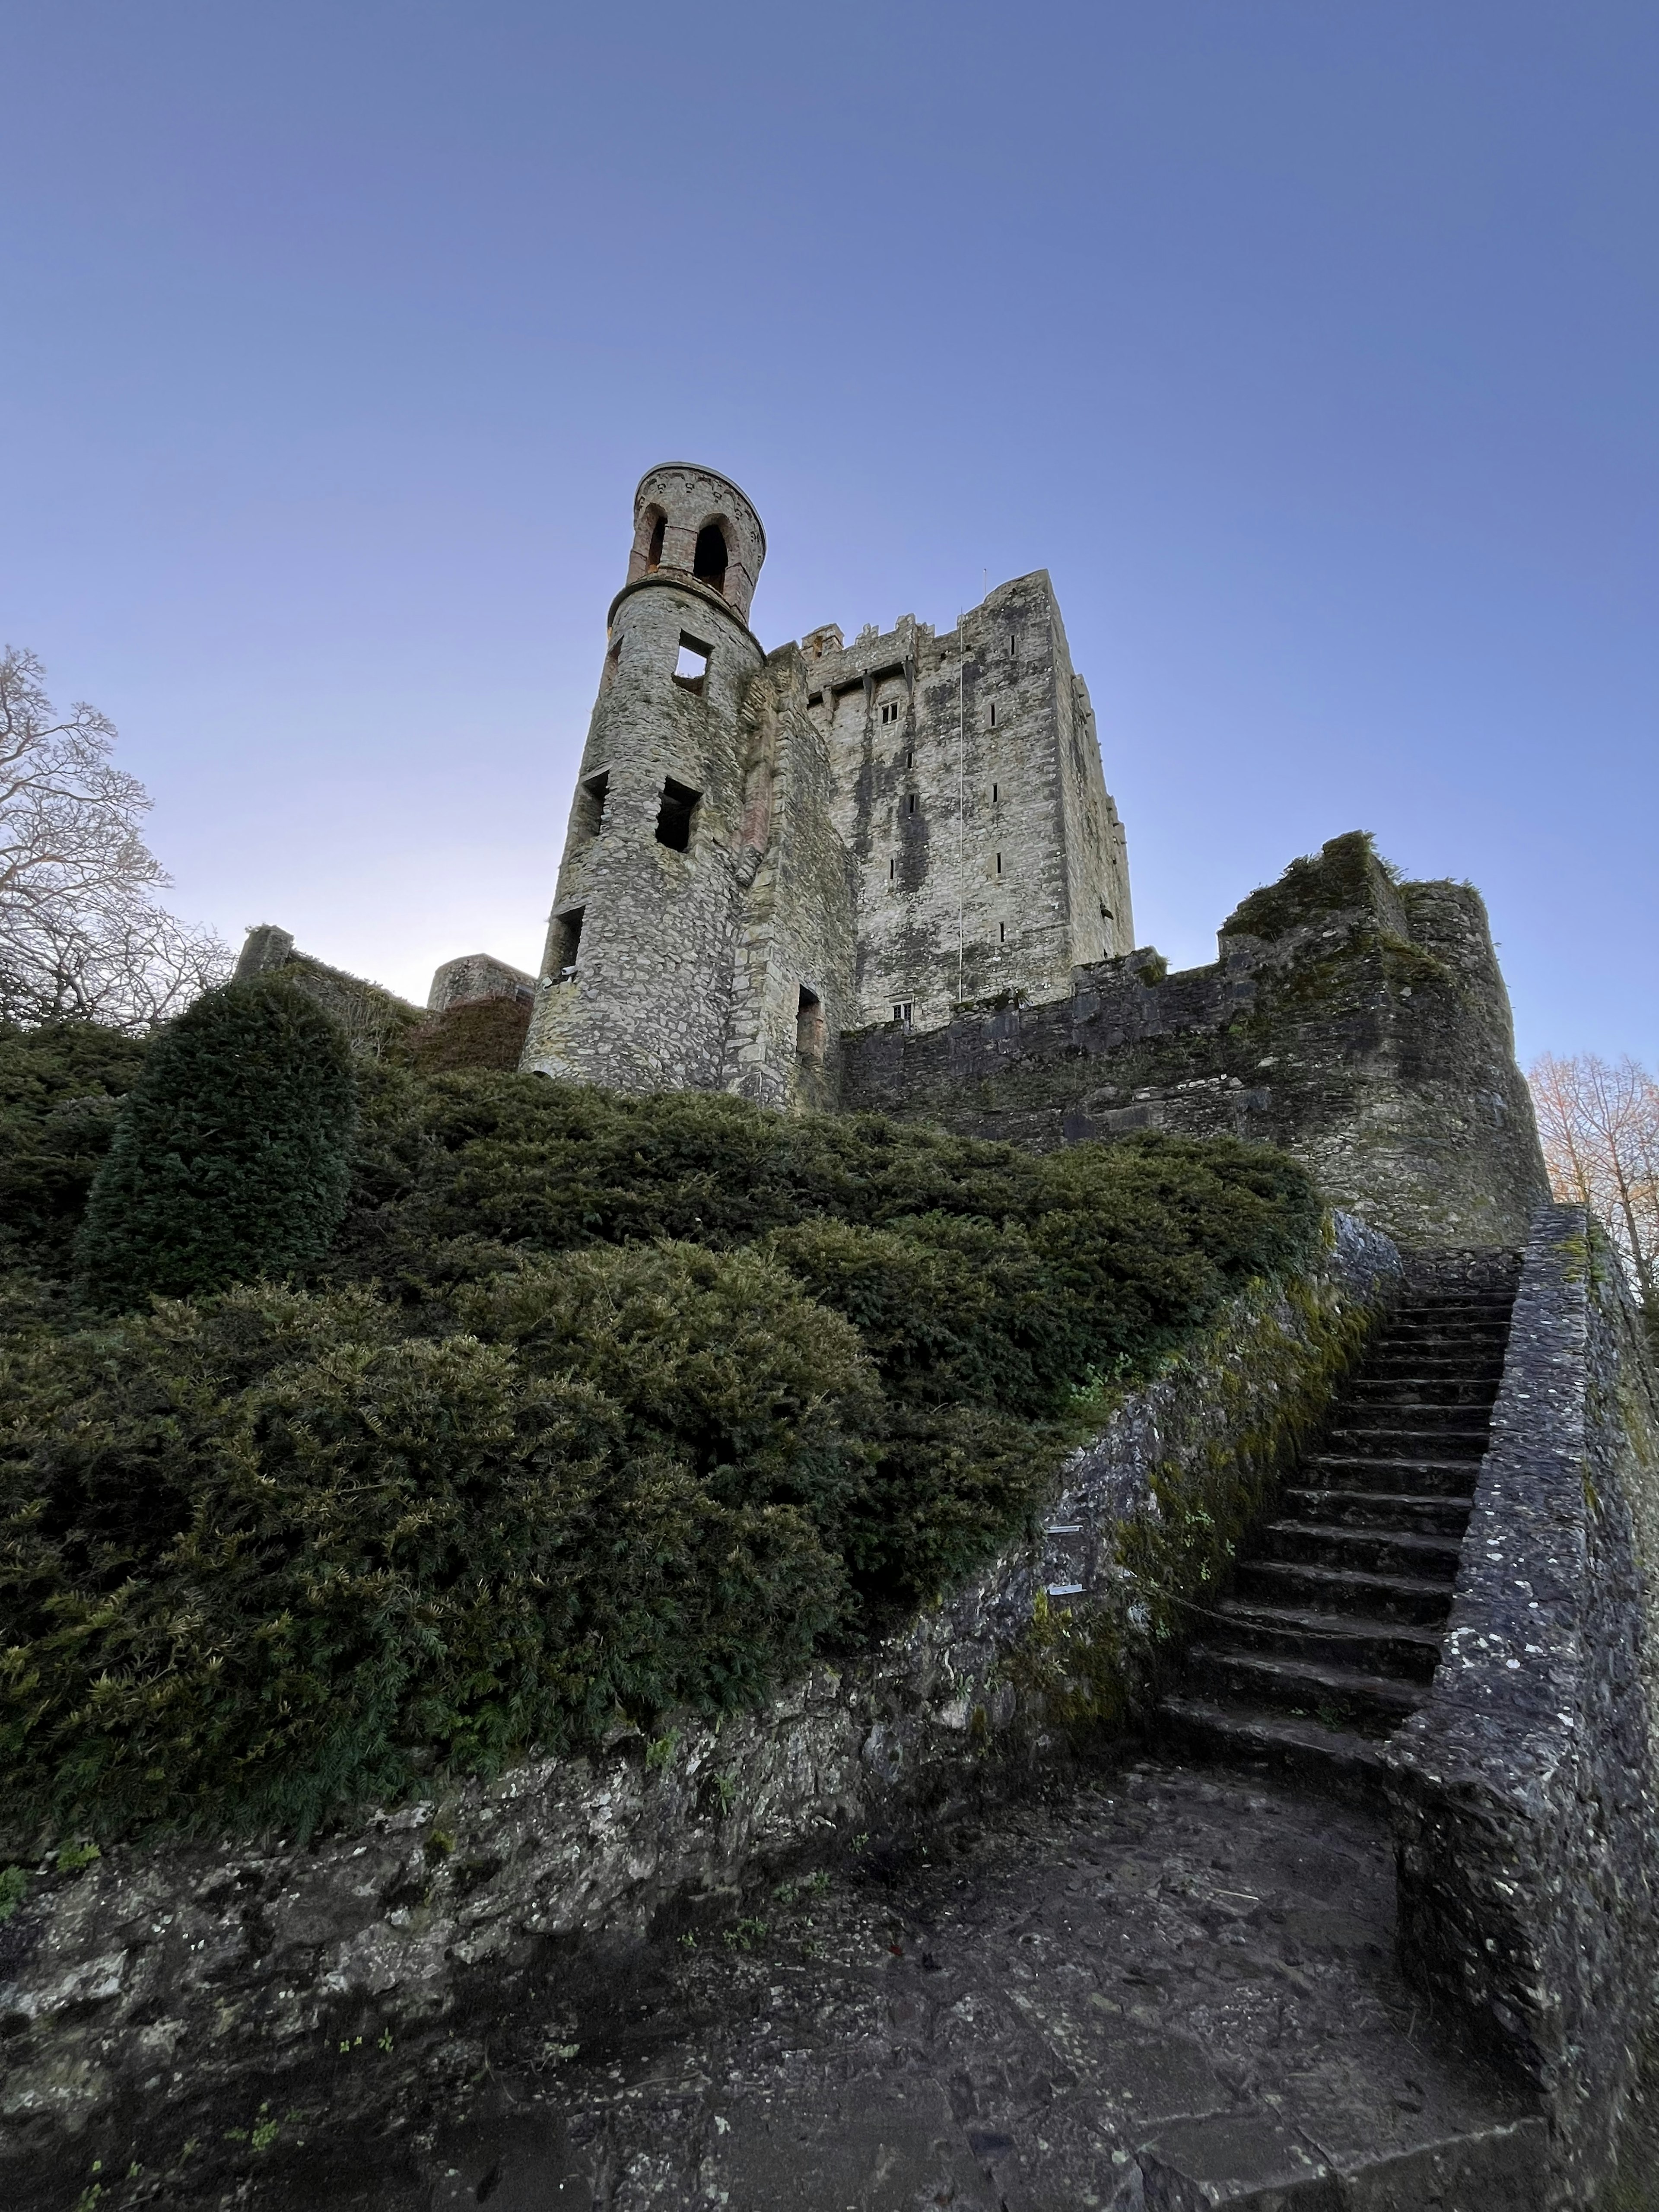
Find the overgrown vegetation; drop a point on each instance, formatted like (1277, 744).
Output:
(1346, 873)
(596, 1407)
(231, 1155)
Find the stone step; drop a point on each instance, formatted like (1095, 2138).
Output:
(1428, 1328)
(1462, 1391)
(1415, 1599)
(1377, 1550)
(1481, 1348)
(1425, 1361)
(1331, 1634)
(1373, 1646)
(1384, 1440)
(1419, 1477)
(1339, 1760)
(1454, 1306)
(1418, 1414)
(1306, 1687)
(1380, 1509)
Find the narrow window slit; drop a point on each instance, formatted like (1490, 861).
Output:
(590, 803)
(566, 938)
(810, 1027)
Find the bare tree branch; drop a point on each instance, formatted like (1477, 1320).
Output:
(79, 937)
(1600, 1126)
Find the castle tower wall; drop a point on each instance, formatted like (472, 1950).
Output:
(969, 790)
(702, 930)
(793, 991)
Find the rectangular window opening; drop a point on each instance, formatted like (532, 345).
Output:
(911, 803)
(902, 1010)
(998, 863)
(909, 760)
(693, 663)
(674, 816)
(993, 794)
(993, 714)
(1002, 932)
(590, 803)
(566, 938)
(893, 869)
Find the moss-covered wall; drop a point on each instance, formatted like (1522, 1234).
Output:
(1359, 1022)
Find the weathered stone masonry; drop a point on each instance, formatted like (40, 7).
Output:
(766, 851)
(889, 875)
(1360, 1022)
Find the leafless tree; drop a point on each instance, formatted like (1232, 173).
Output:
(1599, 1126)
(81, 936)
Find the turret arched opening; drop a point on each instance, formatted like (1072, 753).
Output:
(708, 562)
(657, 521)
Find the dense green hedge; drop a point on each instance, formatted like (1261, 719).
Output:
(232, 1153)
(60, 1089)
(598, 1407)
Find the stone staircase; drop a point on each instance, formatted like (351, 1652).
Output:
(1331, 1634)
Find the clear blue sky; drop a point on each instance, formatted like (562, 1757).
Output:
(1310, 346)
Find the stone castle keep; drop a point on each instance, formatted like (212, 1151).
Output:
(768, 850)
(888, 876)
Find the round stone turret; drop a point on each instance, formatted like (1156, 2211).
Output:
(689, 522)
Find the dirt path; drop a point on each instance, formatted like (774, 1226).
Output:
(1174, 1989)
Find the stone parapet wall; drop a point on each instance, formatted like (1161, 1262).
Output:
(474, 977)
(1525, 1792)
(1361, 1024)
(163, 1985)
(374, 1019)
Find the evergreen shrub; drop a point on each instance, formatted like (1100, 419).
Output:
(267, 1556)
(596, 1407)
(60, 1086)
(231, 1158)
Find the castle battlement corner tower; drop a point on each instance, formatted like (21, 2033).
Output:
(768, 850)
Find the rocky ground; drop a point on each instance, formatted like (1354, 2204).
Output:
(1167, 1989)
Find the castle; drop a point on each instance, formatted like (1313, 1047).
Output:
(888, 876)
(767, 851)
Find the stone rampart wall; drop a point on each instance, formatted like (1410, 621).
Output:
(374, 1018)
(1361, 1024)
(1526, 1790)
(142, 1997)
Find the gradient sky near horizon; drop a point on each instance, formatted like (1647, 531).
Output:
(1311, 348)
